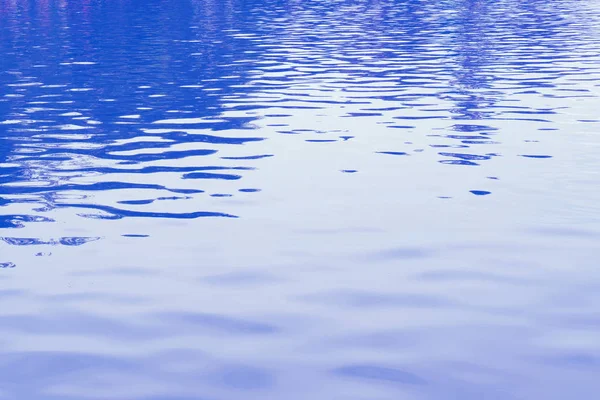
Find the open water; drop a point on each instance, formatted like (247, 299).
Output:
(299, 199)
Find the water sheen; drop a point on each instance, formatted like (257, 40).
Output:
(285, 199)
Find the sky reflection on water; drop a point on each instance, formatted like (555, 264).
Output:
(369, 199)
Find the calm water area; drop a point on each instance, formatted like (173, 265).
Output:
(299, 199)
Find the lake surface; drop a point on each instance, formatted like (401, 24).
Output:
(285, 199)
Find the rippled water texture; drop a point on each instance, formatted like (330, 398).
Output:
(299, 199)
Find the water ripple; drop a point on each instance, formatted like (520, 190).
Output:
(243, 199)
(378, 373)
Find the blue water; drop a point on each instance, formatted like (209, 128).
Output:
(299, 199)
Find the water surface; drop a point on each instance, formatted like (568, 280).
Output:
(249, 199)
